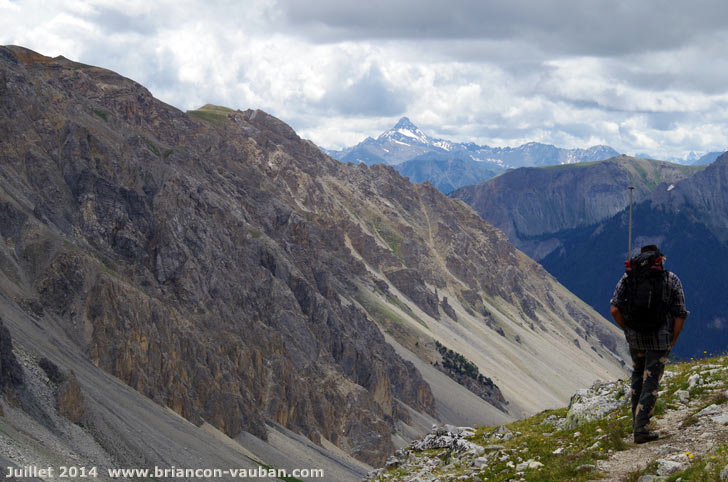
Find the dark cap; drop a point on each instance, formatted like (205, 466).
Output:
(649, 247)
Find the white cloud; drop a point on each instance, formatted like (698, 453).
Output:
(8, 6)
(640, 77)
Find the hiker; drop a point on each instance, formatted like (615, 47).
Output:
(651, 324)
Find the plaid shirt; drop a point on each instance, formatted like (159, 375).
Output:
(662, 338)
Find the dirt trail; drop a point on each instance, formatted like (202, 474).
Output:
(676, 442)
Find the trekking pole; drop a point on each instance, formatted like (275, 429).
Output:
(629, 242)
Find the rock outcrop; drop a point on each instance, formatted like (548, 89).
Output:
(70, 400)
(595, 402)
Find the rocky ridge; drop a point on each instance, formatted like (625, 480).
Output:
(589, 440)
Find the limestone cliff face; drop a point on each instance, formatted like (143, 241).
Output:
(229, 270)
(183, 259)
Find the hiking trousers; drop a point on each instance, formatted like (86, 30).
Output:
(647, 369)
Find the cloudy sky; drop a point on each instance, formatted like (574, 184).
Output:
(647, 76)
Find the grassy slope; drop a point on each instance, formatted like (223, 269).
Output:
(211, 113)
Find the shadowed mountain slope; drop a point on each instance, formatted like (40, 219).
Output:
(533, 205)
(688, 222)
(447, 172)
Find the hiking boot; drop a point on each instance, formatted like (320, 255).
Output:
(644, 436)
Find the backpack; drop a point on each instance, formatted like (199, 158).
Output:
(646, 292)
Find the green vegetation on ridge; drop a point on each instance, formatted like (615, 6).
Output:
(211, 113)
(389, 235)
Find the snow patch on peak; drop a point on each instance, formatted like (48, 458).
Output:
(445, 145)
(417, 135)
(404, 130)
(408, 133)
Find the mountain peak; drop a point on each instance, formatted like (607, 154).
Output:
(405, 123)
(405, 132)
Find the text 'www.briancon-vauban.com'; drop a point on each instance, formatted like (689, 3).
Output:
(161, 472)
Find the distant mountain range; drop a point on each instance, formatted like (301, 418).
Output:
(693, 158)
(708, 158)
(574, 219)
(449, 165)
